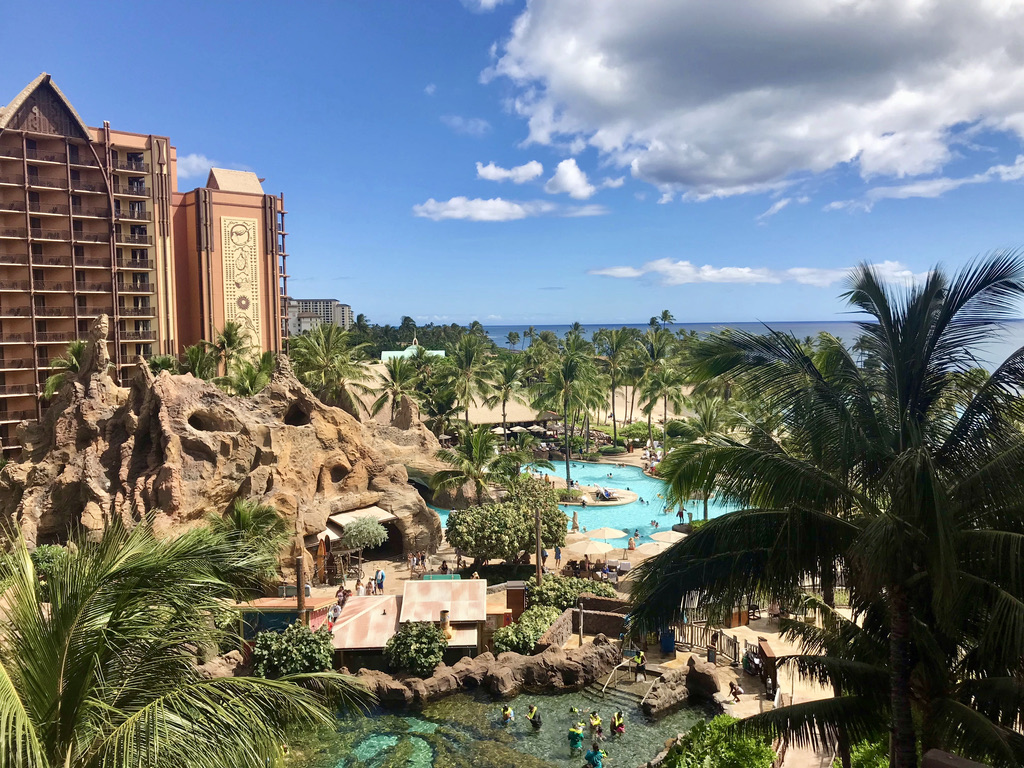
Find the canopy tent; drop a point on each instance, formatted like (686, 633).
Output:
(537, 428)
(497, 431)
(669, 537)
(336, 524)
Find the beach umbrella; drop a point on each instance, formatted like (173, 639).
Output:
(537, 428)
(444, 437)
(670, 537)
(497, 431)
(590, 547)
(520, 429)
(574, 537)
(652, 548)
(607, 533)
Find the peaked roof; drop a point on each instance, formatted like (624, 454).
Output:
(43, 81)
(234, 181)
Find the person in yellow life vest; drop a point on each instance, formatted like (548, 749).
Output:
(576, 739)
(507, 715)
(595, 721)
(641, 666)
(533, 715)
(618, 723)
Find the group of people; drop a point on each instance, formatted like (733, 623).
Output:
(595, 756)
(374, 586)
(417, 561)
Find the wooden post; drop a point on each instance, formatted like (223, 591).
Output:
(300, 579)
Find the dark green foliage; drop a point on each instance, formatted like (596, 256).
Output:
(417, 648)
(717, 745)
(563, 592)
(638, 431)
(521, 636)
(611, 450)
(363, 533)
(867, 754)
(46, 559)
(296, 651)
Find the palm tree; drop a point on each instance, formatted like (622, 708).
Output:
(876, 481)
(249, 376)
(201, 361)
(66, 366)
(512, 339)
(104, 672)
(254, 526)
(564, 389)
(327, 362)
(475, 460)
(400, 381)
(576, 329)
(230, 342)
(666, 318)
(468, 356)
(530, 333)
(508, 385)
(615, 347)
(159, 363)
(362, 323)
(440, 406)
(710, 421)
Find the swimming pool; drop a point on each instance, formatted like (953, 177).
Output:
(630, 517)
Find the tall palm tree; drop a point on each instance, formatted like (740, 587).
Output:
(878, 482)
(103, 672)
(249, 375)
(512, 339)
(158, 363)
(508, 385)
(326, 361)
(529, 334)
(476, 461)
(710, 421)
(232, 341)
(400, 382)
(666, 318)
(614, 347)
(201, 361)
(362, 323)
(576, 329)
(468, 356)
(66, 366)
(440, 406)
(564, 389)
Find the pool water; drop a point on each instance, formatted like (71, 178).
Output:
(465, 731)
(632, 517)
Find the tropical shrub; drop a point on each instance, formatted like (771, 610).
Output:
(563, 592)
(638, 431)
(417, 648)
(611, 450)
(716, 744)
(521, 636)
(298, 650)
(867, 754)
(363, 533)
(568, 494)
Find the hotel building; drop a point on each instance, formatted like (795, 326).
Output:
(329, 310)
(91, 223)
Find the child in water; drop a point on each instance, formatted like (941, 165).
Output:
(618, 724)
(507, 715)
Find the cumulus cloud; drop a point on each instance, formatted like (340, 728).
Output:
(610, 183)
(777, 206)
(707, 107)
(933, 187)
(431, 89)
(469, 126)
(498, 209)
(483, 6)
(570, 179)
(520, 174)
(192, 165)
(672, 272)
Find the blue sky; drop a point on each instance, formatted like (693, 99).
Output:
(655, 155)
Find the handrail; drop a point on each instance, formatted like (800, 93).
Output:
(651, 688)
(623, 663)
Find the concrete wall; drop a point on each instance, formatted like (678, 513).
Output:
(558, 632)
(599, 622)
(607, 604)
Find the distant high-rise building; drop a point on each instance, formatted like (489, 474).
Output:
(329, 310)
(91, 223)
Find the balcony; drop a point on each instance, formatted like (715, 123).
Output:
(136, 288)
(91, 237)
(96, 213)
(134, 264)
(133, 239)
(14, 152)
(17, 389)
(50, 234)
(54, 312)
(93, 311)
(138, 335)
(51, 261)
(12, 179)
(48, 209)
(84, 287)
(51, 337)
(17, 363)
(92, 261)
(49, 285)
(40, 181)
(130, 165)
(45, 156)
(9, 416)
(133, 215)
(78, 185)
(136, 311)
(16, 233)
(15, 338)
(135, 190)
(14, 285)
(13, 206)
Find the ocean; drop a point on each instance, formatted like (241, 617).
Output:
(991, 353)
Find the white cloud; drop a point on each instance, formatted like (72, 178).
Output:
(192, 165)
(470, 126)
(517, 175)
(933, 187)
(570, 179)
(610, 183)
(499, 209)
(777, 206)
(483, 6)
(705, 106)
(685, 272)
(431, 89)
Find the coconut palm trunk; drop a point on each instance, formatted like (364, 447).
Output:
(615, 429)
(903, 746)
(568, 446)
(504, 421)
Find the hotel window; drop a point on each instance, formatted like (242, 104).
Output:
(137, 209)
(137, 184)
(139, 254)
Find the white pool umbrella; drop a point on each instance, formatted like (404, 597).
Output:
(652, 548)
(537, 428)
(670, 537)
(575, 537)
(590, 547)
(520, 430)
(497, 431)
(607, 533)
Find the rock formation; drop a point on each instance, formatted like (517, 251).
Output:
(697, 682)
(178, 448)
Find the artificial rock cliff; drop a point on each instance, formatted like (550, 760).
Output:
(178, 448)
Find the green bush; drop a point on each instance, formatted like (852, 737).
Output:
(563, 592)
(297, 650)
(696, 525)
(637, 431)
(867, 754)
(611, 450)
(568, 494)
(716, 744)
(45, 559)
(417, 648)
(521, 636)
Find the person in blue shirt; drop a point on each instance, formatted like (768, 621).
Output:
(595, 757)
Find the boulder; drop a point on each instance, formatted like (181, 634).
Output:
(702, 680)
(230, 664)
(180, 449)
(385, 688)
(667, 694)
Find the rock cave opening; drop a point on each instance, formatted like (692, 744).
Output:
(297, 416)
(338, 473)
(207, 421)
(393, 547)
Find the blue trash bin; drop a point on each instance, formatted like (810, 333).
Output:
(668, 641)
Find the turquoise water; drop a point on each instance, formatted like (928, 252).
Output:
(626, 517)
(465, 731)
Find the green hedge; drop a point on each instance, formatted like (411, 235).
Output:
(568, 494)
(521, 636)
(297, 650)
(717, 744)
(611, 450)
(417, 648)
(563, 592)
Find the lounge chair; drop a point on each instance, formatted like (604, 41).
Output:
(754, 611)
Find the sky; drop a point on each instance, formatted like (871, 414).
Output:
(559, 160)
